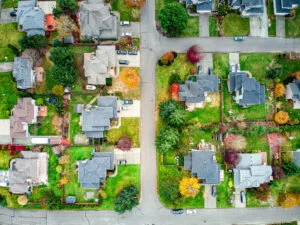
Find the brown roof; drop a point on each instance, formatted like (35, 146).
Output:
(43, 111)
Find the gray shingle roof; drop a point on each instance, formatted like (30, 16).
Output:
(248, 7)
(23, 72)
(203, 166)
(295, 89)
(296, 157)
(201, 5)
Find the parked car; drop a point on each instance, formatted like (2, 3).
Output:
(191, 211)
(177, 211)
(16, 9)
(127, 102)
(121, 52)
(214, 190)
(132, 52)
(124, 23)
(13, 14)
(90, 87)
(126, 34)
(199, 69)
(243, 197)
(124, 62)
(122, 162)
(124, 107)
(233, 68)
(238, 38)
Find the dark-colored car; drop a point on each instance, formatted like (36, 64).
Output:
(121, 52)
(122, 162)
(15, 9)
(243, 197)
(13, 14)
(127, 102)
(214, 190)
(132, 52)
(177, 211)
(238, 38)
(124, 62)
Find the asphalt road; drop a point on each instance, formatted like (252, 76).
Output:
(150, 211)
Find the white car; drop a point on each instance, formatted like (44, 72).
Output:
(124, 107)
(191, 211)
(124, 23)
(90, 87)
(126, 34)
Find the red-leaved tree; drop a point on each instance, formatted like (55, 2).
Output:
(277, 172)
(174, 89)
(232, 157)
(195, 54)
(124, 143)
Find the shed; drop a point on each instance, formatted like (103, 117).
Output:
(70, 199)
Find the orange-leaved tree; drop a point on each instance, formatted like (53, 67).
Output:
(279, 90)
(189, 187)
(282, 117)
(288, 200)
(130, 78)
(136, 3)
(298, 75)
(167, 58)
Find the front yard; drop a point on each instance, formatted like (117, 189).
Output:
(225, 191)
(221, 64)
(234, 25)
(292, 26)
(126, 12)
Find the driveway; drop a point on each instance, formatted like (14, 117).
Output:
(5, 17)
(280, 26)
(134, 60)
(133, 110)
(204, 24)
(132, 157)
(133, 28)
(238, 203)
(234, 58)
(209, 200)
(6, 67)
(206, 62)
(254, 26)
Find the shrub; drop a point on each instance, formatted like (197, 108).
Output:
(288, 200)
(277, 172)
(135, 3)
(167, 139)
(282, 117)
(232, 157)
(58, 90)
(108, 81)
(35, 41)
(64, 76)
(189, 187)
(193, 70)
(127, 199)
(53, 202)
(174, 78)
(262, 192)
(195, 54)
(57, 43)
(174, 89)
(235, 142)
(58, 169)
(274, 73)
(3, 200)
(67, 6)
(167, 59)
(124, 143)
(279, 90)
(290, 168)
(39, 101)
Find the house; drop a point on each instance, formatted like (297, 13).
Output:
(96, 20)
(251, 171)
(5, 132)
(296, 157)
(284, 7)
(194, 93)
(293, 93)
(247, 90)
(248, 7)
(31, 169)
(100, 65)
(30, 18)
(93, 171)
(96, 119)
(203, 165)
(23, 72)
(70, 199)
(202, 6)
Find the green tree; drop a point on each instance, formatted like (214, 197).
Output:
(39, 101)
(61, 56)
(58, 90)
(67, 6)
(167, 107)
(290, 168)
(177, 118)
(35, 41)
(127, 199)
(173, 19)
(65, 76)
(167, 139)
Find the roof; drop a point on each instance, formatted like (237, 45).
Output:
(30, 169)
(23, 72)
(203, 166)
(78, 108)
(30, 18)
(92, 171)
(109, 101)
(5, 131)
(68, 40)
(43, 110)
(70, 199)
(96, 21)
(248, 7)
(194, 91)
(283, 7)
(295, 89)
(296, 157)
(47, 6)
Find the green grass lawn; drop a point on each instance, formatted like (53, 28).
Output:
(206, 115)
(258, 143)
(271, 16)
(9, 35)
(5, 158)
(9, 3)
(224, 192)
(221, 64)
(213, 27)
(292, 26)
(8, 94)
(234, 25)
(130, 127)
(124, 10)
(192, 29)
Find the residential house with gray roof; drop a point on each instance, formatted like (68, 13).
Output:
(248, 7)
(293, 93)
(30, 18)
(203, 165)
(251, 171)
(194, 93)
(31, 169)
(284, 7)
(97, 21)
(93, 171)
(247, 90)
(100, 65)
(296, 157)
(202, 6)
(23, 72)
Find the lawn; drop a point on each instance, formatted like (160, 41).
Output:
(234, 25)
(192, 29)
(213, 27)
(130, 127)
(124, 10)
(206, 115)
(49, 83)
(8, 94)
(224, 192)
(9, 3)
(221, 64)
(9, 35)
(258, 143)
(292, 26)
(271, 16)
(5, 158)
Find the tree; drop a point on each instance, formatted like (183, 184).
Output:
(124, 143)
(58, 90)
(174, 78)
(290, 168)
(235, 142)
(288, 200)
(130, 78)
(167, 59)
(58, 169)
(174, 89)
(277, 172)
(169, 190)
(127, 199)
(65, 76)
(282, 117)
(167, 139)
(35, 41)
(64, 180)
(167, 107)
(297, 75)
(177, 118)
(64, 159)
(195, 54)
(189, 187)
(67, 6)
(135, 3)
(39, 101)
(274, 73)
(279, 90)
(65, 26)
(36, 54)
(125, 42)
(61, 56)
(53, 202)
(262, 192)
(173, 19)
(232, 157)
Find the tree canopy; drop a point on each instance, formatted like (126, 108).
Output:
(36, 41)
(173, 19)
(282, 117)
(127, 199)
(61, 56)
(172, 113)
(67, 6)
(189, 187)
(135, 3)
(130, 78)
(279, 90)
(65, 76)
(124, 143)
(232, 157)
(58, 90)
(195, 54)
(167, 139)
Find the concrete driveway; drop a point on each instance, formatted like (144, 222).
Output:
(131, 157)
(133, 28)
(280, 26)
(5, 17)
(254, 26)
(238, 203)
(234, 58)
(209, 200)
(134, 110)
(204, 24)
(206, 63)
(134, 60)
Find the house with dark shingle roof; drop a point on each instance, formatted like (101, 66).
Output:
(247, 90)
(293, 93)
(93, 171)
(284, 7)
(202, 6)
(203, 166)
(296, 157)
(23, 72)
(248, 7)
(30, 18)
(194, 93)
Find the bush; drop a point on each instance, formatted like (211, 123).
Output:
(53, 202)
(64, 76)
(281, 117)
(274, 73)
(67, 6)
(58, 90)
(232, 157)
(3, 201)
(135, 3)
(167, 59)
(61, 56)
(167, 139)
(129, 77)
(39, 101)
(58, 169)
(189, 187)
(288, 200)
(59, 107)
(195, 54)
(108, 81)
(262, 192)
(57, 43)
(290, 168)
(35, 41)
(279, 90)
(124, 143)
(127, 199)
(174, 78)
(277, 172)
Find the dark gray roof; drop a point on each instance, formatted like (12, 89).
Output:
(279, 9)
(91, 172)
(248, 7)
(201, 5)
(203, 166)
(70, 199)
(295, 89)
(23, 72)
(194, 91)
(109, 101)
(296, 157)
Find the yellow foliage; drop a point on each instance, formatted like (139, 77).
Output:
(58, 90)
(64, 180)
(289, 200)
(298, 75)
(64, 159)
(282, 117)
(130, 78)
(189, 187)
(279, 90)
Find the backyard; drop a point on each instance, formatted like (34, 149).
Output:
(207, 115)
(126, 12)
(292, 26)
(258, 143)
(234, 25)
